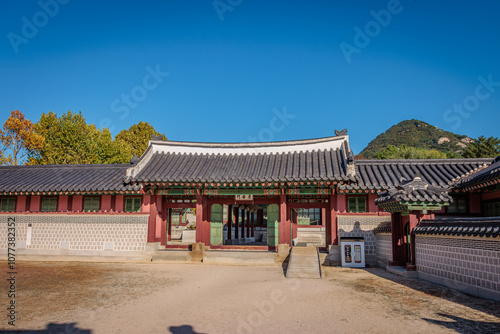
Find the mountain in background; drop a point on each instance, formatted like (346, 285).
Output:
(418, 134)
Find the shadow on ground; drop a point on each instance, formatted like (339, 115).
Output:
(487, 306)
(184, 329)
(461, 325)
(52, 328)
(284, 265)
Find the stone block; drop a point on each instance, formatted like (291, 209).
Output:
(283, 252)
(197, 251)
(189, 236)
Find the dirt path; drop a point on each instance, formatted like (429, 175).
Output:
(197, 298)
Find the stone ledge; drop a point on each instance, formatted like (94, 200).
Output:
(463, 287)
(401, 271)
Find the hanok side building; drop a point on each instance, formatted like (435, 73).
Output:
(249, 196)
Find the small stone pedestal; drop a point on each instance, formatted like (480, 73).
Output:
(197, 251)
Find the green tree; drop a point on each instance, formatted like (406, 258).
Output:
(408, 152)
(70, 140)
(17, 137)
(483, 148)
(138, 137)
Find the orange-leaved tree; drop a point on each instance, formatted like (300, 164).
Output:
(17, 137)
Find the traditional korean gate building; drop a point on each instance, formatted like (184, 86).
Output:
(280, 177)
(280, 187)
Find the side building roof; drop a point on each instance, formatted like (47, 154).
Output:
(476, 227)
(323, 159)
(64, 178)
(482, 178)
(413, 191)
(387, 174)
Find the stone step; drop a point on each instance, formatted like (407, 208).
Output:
(303, 263)
(239, 257)
(171, 256)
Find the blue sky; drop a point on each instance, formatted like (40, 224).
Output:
(241, 70)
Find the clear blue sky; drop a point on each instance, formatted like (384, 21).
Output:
(231, 64)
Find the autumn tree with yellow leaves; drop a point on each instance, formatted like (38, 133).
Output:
(17, 138)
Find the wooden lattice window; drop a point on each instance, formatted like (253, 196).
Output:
(309, 216)
(8, 204)
(133, 204)
(459, 205)
(49, 204)
(356, 204)
(91, 203)
(217, 213)
(492, 209)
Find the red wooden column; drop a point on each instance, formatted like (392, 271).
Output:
(248, 223)
(106, 203)
(35, 203)
(152, 219)
(331, 223)
(284, 224)
(236, 212)
(229, 222)
(341, 203)
(253, 225)
(62, 203)
(163, 235)
(119, 203)
(77, 203)
(21, 203)
(202, 220)
(199, 217)
(414, 220)
(371, 203)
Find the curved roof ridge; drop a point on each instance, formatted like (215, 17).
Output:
(65, 166)
(461, 160)
(248, 144)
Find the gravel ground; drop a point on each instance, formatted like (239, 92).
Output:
(78, 297)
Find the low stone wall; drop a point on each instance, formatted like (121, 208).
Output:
(362, 226)
(384, 248)
(469, 264)
(83, 234)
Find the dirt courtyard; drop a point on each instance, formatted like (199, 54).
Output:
(78, 297)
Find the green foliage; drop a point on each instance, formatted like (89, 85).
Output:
(408, 152)
(70, 140)
(417, 134)
(483, 148)
(138, 137)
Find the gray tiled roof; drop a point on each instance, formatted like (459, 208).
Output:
(63, 178)
(415, 190)
(492, 172)
(288, 166)
(477, 227)
(385, 174)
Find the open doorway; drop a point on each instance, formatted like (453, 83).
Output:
(310, 226)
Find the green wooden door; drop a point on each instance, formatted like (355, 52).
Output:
(216, 219)
(273, 218)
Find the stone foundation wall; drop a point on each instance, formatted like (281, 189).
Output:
(470, 264)
(89, 232)
(384, 248)
(362, 226)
